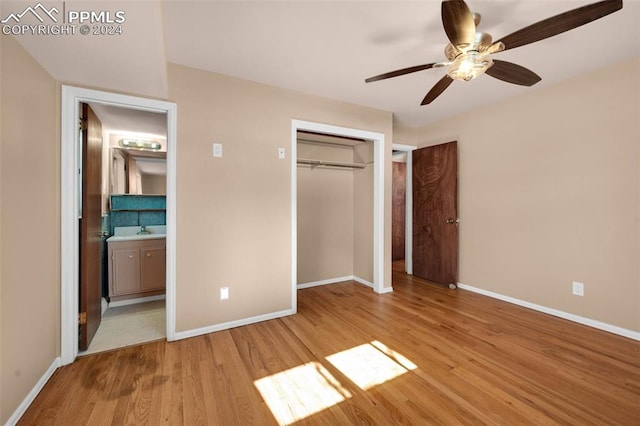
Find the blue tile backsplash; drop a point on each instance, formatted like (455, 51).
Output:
(136, 210)
(138, 202)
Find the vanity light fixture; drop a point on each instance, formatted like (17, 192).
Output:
(140, 144)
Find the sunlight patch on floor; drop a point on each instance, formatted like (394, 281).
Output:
(305, 390)
(370, 364)
(300, 392)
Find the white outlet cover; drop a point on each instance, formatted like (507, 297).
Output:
(578, 288)
(281, 153)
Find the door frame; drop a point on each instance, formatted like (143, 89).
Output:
(69, 206)
(408, 225)
(378, 199)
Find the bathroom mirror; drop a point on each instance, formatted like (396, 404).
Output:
(135, 171)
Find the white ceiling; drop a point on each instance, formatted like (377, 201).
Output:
(124, 121)
(328, 48)
(151, 166)
(134, 62)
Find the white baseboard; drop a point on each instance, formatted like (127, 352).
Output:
(128, 302)
(231, 324)
(362, 281)
(342, 279)
(324, 282)
(561, 314)
(339, 280)
(24, 405)
(370, 284)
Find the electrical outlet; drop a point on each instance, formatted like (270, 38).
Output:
(578, 288)
(224, 293)
(281, 153)
(217, 150)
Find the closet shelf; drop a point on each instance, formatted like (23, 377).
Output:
(323, 163)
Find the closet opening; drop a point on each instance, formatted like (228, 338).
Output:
(336, 206)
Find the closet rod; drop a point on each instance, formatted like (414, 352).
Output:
(316, 163)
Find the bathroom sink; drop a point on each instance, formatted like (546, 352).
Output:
(135, 237)
(132, 233)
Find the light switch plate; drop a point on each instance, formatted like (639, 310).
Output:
(281, 153)
(217, 150)
(224, 293)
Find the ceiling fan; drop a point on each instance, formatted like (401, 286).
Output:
(469, 52)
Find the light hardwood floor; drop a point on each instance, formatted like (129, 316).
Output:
(423, 354)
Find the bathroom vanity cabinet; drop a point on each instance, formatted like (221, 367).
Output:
(136, 268)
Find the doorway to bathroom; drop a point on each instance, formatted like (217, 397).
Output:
(123, 199)
(134, 229)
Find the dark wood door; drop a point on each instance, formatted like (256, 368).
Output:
(90, 228)
(398, 208)
(435, 212)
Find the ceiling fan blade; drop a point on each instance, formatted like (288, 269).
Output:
(560, 23)
(512, 73)
(458, 23)
(397, 73)
(436, 90)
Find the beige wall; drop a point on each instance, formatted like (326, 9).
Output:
(404, 135)
(234, 213)
(325, 214)
(29, 224)
(549, 193)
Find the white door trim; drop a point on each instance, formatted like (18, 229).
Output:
(69, 206)
(408, 223)
(378, 199)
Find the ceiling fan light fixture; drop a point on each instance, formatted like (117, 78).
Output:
(469, 65)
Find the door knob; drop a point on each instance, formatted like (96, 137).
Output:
(456, 220)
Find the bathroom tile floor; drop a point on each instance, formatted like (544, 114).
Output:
(129, 325)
